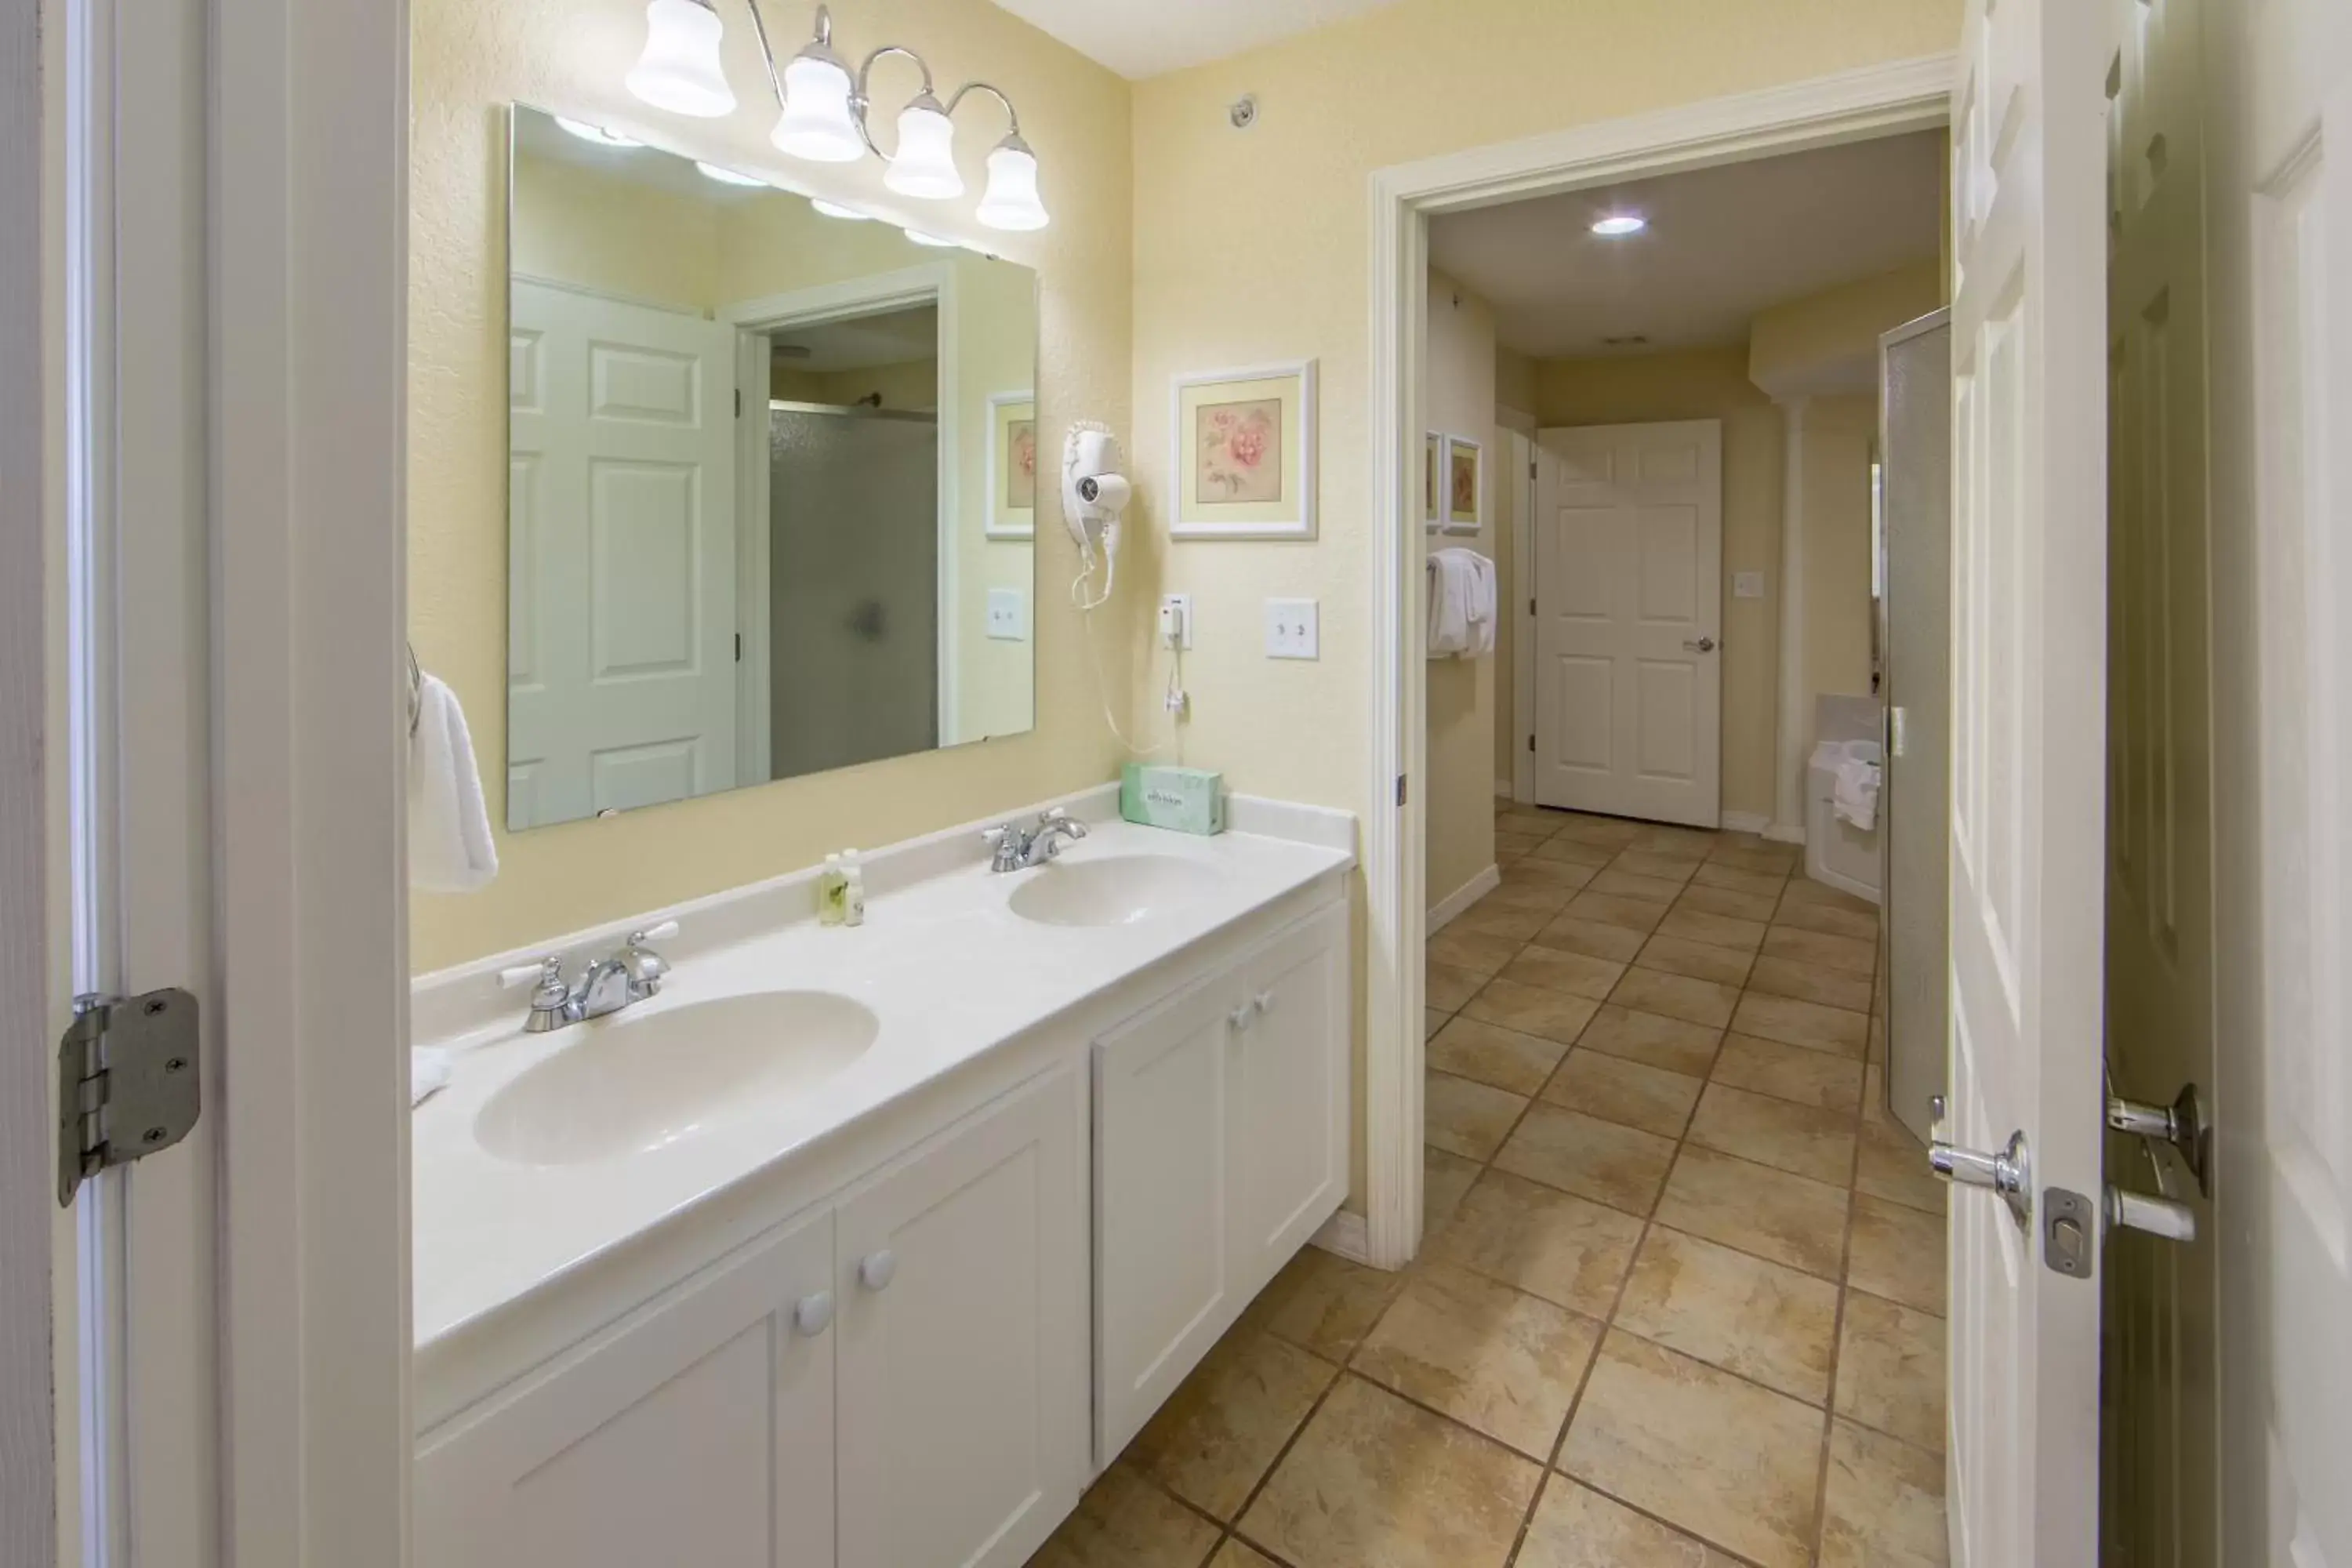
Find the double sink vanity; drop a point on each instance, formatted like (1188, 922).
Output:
(872, 1246)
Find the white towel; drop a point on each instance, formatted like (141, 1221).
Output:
(1854, 794)
(449, 846)
(1452, 589)
(428, 1069)
(1484, 610)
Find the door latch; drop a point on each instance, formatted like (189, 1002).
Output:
(2182, 1126)
(128, 1083)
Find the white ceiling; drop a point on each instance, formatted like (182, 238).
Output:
(1139, 38)
(1723, 244)
(862, 342)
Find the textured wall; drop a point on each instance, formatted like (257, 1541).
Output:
(1460, 401)
(469, 60)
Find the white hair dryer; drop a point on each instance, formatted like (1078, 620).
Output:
(1094, 493)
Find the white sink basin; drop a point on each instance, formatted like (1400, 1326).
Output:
(1116, 890)
(635, 1081)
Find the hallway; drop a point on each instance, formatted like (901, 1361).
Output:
(1679, 1298)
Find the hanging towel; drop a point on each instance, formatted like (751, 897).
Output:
(449, 847)
(1854, 794)
(428, 1069)
(1484, 610)
(1451, 588)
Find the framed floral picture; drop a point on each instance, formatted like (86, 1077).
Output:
(1466, 485)
(1012, 464)
(1245, 453)
(1433, 464)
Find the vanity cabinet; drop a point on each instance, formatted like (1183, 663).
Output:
(1220, 1147)
(924, 1332)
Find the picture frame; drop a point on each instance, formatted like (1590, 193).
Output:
(1243, 453)
(1433, 463)
(1466, 485)
(1012, 474)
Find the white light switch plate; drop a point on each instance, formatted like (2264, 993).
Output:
(1292, 629)
(1748, 584)
(1008, 615)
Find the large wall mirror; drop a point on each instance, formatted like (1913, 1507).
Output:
(773, 483)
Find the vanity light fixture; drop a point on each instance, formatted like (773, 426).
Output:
(680, 70)
(834, 209)
(598, 134)
(826, 111)
(1617, 226)
(936, 241)
(727, 176)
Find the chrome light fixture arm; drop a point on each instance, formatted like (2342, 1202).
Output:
(862, 101)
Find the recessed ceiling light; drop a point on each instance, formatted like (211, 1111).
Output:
(919, 238)
(834, 209)
(1616, 225)
(726, 176)
(596, 133)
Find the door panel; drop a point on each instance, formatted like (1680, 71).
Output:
(2158, 1435)
(1628, 562)
(963, 1358)
(2029, 628)
(621, 618)
(1290, 1109)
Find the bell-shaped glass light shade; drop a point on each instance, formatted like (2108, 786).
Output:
(924, 164)
(817, 125)
(679, 70)
(1010, 200)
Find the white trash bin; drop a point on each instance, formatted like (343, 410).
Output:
(1838, 854)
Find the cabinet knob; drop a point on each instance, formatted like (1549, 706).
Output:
(1263, 1003)
(876, 1269)
(813, 1314)
(1239, 1019)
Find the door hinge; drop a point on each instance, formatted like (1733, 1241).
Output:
(1400, 789)
(1531, 467)
(1531, 605)
(128, 1083)
(1531, 742)
(739, 648)
(739, 403)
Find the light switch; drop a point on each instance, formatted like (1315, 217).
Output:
(1748, 584)
(1292, 629)
(1008, 615)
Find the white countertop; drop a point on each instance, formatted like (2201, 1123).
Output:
(951, 972)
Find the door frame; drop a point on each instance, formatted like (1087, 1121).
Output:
(930, 284)
(1851, 106)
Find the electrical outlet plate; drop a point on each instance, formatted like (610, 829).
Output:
(1008, 615)
(1293, 628)
(1181, 604)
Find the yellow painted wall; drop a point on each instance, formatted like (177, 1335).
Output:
(1459, 398)
(913, 386)
(1839, 435)
(468, 60)
(1791, 347)
(1710, 383)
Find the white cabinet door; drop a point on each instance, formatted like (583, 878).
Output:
(1164, 1286)
(962, 1270)
(699, 1429)
(1290, 1105)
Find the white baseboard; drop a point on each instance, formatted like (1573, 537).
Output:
(1746, 822)
(1463, 897)
(1345, 1234)
(1502, 789)
(1783, 833)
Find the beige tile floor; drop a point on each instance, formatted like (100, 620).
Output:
(1679, 1301)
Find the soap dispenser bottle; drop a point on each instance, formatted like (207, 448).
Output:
(852, 893)
(833, 893)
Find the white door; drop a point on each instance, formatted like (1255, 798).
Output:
(621, 592)
(1289, 1119)
(2029, 627)
(1629, 620)
(962, 1353)
(2279, 217)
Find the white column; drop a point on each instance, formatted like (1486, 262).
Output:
(1796, 704)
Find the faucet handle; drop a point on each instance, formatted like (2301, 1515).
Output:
(540, 972)
(662, 932)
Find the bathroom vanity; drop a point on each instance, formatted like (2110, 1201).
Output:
(873, 1246)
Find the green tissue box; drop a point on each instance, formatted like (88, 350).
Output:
(1188, 800)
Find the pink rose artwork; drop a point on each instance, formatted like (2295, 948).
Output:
(1466, 485)
(1021, 469)
(1239, 448)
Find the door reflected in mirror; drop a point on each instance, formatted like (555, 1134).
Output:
(772, 484)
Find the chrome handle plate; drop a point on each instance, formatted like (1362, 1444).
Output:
(2009, 1172)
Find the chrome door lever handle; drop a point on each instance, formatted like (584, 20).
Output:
(2181, 1124)
(2158, 1216)
(1700, 645)
(2008, 1173)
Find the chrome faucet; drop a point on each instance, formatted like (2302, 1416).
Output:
(1018, 848)
(630, 975)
